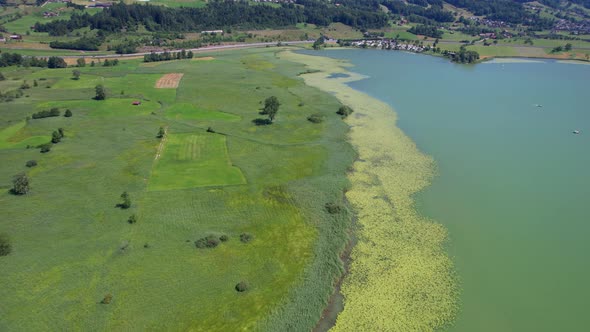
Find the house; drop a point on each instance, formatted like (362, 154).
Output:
(136, 103)
(16, 37)
(209, 32)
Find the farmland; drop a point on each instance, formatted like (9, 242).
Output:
(81, 261)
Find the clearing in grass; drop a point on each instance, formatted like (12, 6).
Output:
(194, 160)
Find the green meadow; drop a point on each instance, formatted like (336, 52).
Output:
(194, 160)
(215, 173)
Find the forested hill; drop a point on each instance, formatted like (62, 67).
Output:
(218, 15)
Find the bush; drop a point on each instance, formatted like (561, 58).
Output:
(31, 163)
(46, 113)
(333, 208)
(242, 286)
(223, 238)
(126, 201)
(315, 118)
(344, 111)
(68, 114)
(5, 247)
(210, 241)
(132, 219)
(107, 299)
(246, 237)
(210, 130)
(45, 147)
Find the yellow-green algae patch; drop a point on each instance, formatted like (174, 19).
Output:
(400, 277)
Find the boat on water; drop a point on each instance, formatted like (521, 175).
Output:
(576, 131)
(538, 105)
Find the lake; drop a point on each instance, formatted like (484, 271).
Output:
(513, 183)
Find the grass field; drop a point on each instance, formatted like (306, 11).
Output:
(189, 111)
(72, 245)
(194, 160)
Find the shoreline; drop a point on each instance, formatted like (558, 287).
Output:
(483, 59)
(385, 177)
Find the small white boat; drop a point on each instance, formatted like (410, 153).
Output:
(538, 105)
(576, 132)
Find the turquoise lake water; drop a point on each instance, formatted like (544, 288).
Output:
(513, 183)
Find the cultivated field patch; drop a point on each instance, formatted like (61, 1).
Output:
(194, 160)
(169, 81)
(204, 58)
(189, 111)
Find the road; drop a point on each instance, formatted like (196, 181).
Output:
(194, 50)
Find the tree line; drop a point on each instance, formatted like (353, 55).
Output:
(166, 56)
(16, 59)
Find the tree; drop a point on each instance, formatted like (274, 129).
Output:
(56, 62)
(2, 78)
(81, 62)
(318, 43)
(126, 201)
(567, 47)
(161, 133)
(271, 107)
(100, 92)
(190, 55)
(76, 73)
(55, 137)
(20, 184)
(5, 247)
(68, 113)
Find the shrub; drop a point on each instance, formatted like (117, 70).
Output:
(68, 113)
(242, 286)
(46, 113)
(45, 147)
(132, 219)
(246, 237)
(126, 201)
(210, 130)
(20, 184)
(315, 118)
(31, 163)
(344, 111)
(210, 241)
(107, 299)
(5, 247)
(333, 208)
(223, 238)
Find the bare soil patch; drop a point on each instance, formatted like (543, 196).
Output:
(169, 81)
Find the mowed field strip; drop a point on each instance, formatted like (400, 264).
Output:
(194, 160)
(169, 81)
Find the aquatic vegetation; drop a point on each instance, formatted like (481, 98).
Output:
(400, 277)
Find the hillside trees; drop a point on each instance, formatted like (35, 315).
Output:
(76, 73)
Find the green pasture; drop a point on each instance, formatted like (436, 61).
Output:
(194, 160)
(72, 245)
(112, 107)
(14, 137)
(189, 111)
